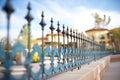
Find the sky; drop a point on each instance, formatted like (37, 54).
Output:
(75, 14)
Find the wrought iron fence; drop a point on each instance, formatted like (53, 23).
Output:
(79, 50)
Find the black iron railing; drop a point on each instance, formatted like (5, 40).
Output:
(79, 50)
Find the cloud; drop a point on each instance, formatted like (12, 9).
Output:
(78, 17)
(16, 24)
(83, 19)
(2, 18)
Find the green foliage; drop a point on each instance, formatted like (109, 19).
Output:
(23, 35)
(116, 33)
(101, 21)
(4, 42)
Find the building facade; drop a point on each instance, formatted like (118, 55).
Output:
(100, 35)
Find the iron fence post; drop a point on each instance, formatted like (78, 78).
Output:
(76, 39)
(52, 60)
(80, 48)
(71, 47)
(76, 49)
(29, 18)
(67, 33)
(59, 57)
(9, 10)
(79, 51)
(43, 24)
(63, 32)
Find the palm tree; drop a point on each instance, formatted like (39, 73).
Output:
(101, 21)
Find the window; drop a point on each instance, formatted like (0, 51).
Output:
(101, 36)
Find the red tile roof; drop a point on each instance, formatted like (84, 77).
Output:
(96, 29)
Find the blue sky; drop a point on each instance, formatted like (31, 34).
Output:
(76, 14)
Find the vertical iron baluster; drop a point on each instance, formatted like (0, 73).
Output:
(91, 40)
(71, 48)
(63, 32)
(79, 42)
(58, 31)
(93, 48)
(67, 36)
(29, 18)
(74, 38)
(90, 48)
(9, 10)
(43, 24)
(71, 36)
(52, 60)
(82, 45)
(79, 50)
(88, 57)
(86, 48)
(76, 46)
(87, 45)
(67, 33)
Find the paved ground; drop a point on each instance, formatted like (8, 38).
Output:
(113, 72)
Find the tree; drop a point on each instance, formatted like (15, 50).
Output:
(4, 43)
(116, 33)
(101, 22)
(23, 35)
(116, 38)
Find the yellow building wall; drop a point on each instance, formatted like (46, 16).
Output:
(96, 35)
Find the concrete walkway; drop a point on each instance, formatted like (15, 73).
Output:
(113, 72)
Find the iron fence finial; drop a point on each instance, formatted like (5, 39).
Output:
(42, 23)
(29, 17)
(8, 8)
(52, 27)
(58, 28)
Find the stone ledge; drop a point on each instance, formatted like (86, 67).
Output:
(115, 58)
(93, 71)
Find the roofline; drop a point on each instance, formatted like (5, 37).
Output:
(97, 29)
